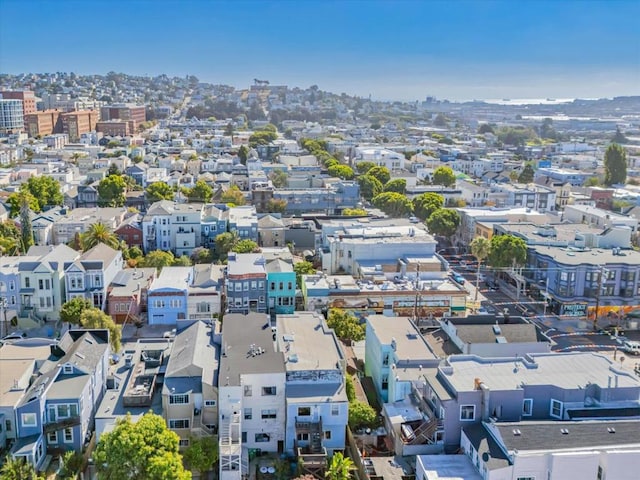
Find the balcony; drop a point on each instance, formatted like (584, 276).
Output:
(61, 423)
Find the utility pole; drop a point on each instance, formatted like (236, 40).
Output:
(598, 293)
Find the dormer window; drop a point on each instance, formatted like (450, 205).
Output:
(67, 368)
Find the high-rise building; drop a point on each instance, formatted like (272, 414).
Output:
(124, 111)
(27, 96)
(43, 123)
(11, 116)
(75, 124)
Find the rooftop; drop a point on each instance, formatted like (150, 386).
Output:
(409, 343)
(588, 256)
(448, 467)
(246, 264)
(176, 278)
(512, 333)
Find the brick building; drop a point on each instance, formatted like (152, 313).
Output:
(113, 128)
(27, 96)
(75, 124)
(43, 123)
(124, 111)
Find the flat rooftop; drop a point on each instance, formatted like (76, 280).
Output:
(588, 256)
(447, 467)
(567, 370)
(410, 345)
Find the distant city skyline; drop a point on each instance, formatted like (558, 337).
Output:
(402, 50)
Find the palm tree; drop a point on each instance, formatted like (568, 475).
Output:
(340, 467)
(480, 248)
(99, 233)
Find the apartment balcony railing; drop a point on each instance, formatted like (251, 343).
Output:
(61, 423)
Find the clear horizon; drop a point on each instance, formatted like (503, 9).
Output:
(404, 50)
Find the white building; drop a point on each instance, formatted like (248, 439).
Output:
(588, 450)
(251, 398)
(598, 217)
(380, 156)
(172, 226)
(11, 115)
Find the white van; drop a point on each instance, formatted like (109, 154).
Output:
(631, 347)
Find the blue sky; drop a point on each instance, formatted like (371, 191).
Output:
(391, 50)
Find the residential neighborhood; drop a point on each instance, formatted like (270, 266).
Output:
(288, 278)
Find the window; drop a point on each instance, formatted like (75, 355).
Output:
(269, 413)
(600, 473)
(41, 284)
(52, 437)
(47, 284)
(525, 478)
(467, 412)
(203, 307)
(303, 437)
(176, 303)
(29, 419)
(261, 284)
(248, 391)
(246, 286)
(304, 411)
(248, 414)
(7, 425)
(209, 403)
(262, 437)
(68, 435)
(527, 407)
(335, 410)
(27, 282)
(184, 442)
(556, 408)
(385, 359)
(268, 391)
(244, 437)
(289, 285)
(178, 399)
(181, 423)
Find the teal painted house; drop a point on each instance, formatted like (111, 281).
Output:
(281, 286)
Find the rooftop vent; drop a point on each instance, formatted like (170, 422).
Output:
(517, 432)
(611, 430)
(564, 431)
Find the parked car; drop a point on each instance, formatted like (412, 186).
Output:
(456, 277)
(631, 347)
(493, 285)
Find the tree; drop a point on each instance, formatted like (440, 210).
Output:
(96, 318)
(158, 259)
(507, 251)
(71, 465)
(262, 137)
(361, 415)
(98, 233)
(276, 205)
(398, 185)
(369, 186)
(516, 136)
(591, 182)
(182, 261)
(354, 212)
(111, 191)
(341, 171)
(72, 311)
(526, 176)
(480, 248)
(381, 173)
(10, 238)
(485, 128)
(16, 201)
(113, 170)
(146, 450)
(547, 130)
(350, 388)
(201, 454)
(158, 191)
(427, 203)
(228, 130)
(46, 190)
(225, 242)
(393, 204)
(619, 137)
(26, 230)
(18, 469)
(245, 246)
(201, 255)
(443, 222)
(201, 192)
(233, 196)
(279, 178)
(340, 467)
(243, 154)
(440, 120)
(364, 167)
(443, 176)
(303, 268)
(615, 165)
(346, 325)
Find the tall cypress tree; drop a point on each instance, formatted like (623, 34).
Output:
(615, 165)
(26, 230)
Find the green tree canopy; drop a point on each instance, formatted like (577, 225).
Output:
(96, 318)
(381, 173)
(480, 248)
(111, 191)
(303, 268)
(427, 203)
(26, 230)
(201, 192)
(181, 261)
(276, 205)
(346, 325)
(362, 415)
(245, 246)
(485, 128)
(350, 388)
(440, 120)
(443, 176)
(233, 195)
(507, 251)
(341, 171)
(262, 137)
(619, 137)
(201, 454)
(10, 239)
(443, 222)
(615, 165)
(279, 178)
(398, 185)
(158, 191)
(340, 467)
(98, 233)
(158, 259)
(146, 450)
(527, 174)
(225, 242)
(71, 311)
(354, 212)
(364, 167)
(46, 190)
(516, 136)
(393, 204)
(243, 154)
(369, 186)
(18, 469)
(18, 199)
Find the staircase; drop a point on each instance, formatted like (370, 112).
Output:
(425, 432)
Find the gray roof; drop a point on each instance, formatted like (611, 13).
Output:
(584, 434)
(246, 264)
(207, 275)
(100, 253)
(125, 283)
(488, 449)
(278, 265)
(410, 344)
(484, 333)
(239, 333)
(593, 257)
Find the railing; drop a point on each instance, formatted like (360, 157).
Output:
(62, 423)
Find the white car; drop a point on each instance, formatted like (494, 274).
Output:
(631, 347)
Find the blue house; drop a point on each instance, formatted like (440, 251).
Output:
(56, 412)
(244, 221)
(167, 297)
(329, 200)
(281, 286)
(214, 221)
